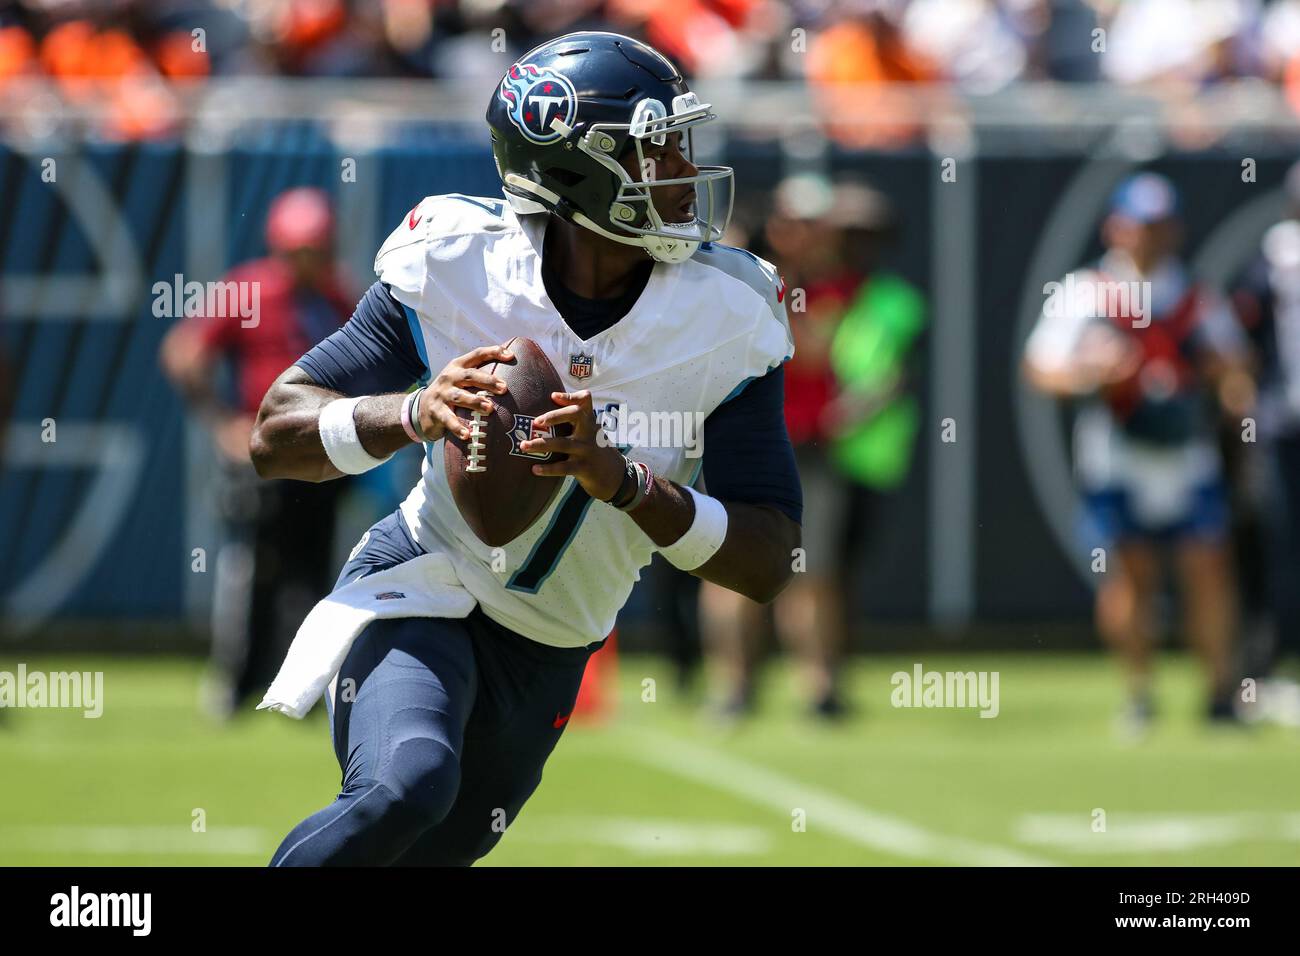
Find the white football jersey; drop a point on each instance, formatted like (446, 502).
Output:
(468, 271)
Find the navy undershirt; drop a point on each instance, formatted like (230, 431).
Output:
(589, 317)
(749, 458)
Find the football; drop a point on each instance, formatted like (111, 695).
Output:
(491, 480)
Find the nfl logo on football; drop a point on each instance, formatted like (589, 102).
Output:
(580, 365)
(526, 430)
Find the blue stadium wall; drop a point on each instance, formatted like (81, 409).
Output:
(99, 370)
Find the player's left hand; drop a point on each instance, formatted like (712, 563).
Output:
(597, 466)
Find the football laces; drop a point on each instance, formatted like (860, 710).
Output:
(477, 458)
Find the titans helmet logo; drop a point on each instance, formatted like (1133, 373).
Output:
(534, 97)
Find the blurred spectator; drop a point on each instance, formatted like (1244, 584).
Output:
(874, 417)
(807, 243)
(275, 560)
(877, 68)
(17, 52)
(109, 65)
(1184, 41)
(1144, 346)
(978, 45)
(1268, 301)
(979, 42)
(1061, 46)
(853, 66)
(1280, 48)
(704, 37)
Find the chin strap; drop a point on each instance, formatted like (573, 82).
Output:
(660, 248)
(524, 207)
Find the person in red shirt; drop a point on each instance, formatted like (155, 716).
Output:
(275, 558)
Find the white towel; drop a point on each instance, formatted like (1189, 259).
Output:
(426, 586)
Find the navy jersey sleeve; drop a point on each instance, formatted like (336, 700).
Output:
(373, 353)
(747, 453)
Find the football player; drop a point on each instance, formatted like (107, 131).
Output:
(1147, 465)
(604, 251)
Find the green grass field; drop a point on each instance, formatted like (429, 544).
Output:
(660, 784)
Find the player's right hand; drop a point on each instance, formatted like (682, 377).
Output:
(457, 385)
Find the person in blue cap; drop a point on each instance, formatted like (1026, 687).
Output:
(1144, 350)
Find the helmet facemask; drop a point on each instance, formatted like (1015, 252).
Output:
(633, 209)
(631, 217)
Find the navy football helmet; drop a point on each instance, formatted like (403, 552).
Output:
(568, 111)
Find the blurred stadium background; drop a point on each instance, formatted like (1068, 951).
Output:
(144, 140)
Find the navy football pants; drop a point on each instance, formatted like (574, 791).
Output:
(441, 734)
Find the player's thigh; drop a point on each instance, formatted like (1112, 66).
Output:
(500, 769)
(401, 701)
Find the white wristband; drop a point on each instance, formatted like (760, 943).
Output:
(338, 433)
(703, 538)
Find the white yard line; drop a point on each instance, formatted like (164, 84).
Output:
(646, 836)
(144, 840)
(826, 812)
(1155, 832)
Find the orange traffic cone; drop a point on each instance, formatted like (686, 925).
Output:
(598, 694)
